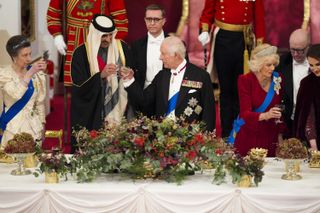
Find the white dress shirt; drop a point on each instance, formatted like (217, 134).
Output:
(154, 64)
(299, 71)
(175, 82)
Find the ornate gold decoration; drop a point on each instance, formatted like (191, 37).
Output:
(51, 177)
(184, 17)
(30, 161)
(55, 134)
(315, 159)
(258, 153)
(306, 14)
(245, 181)
(149, 170)
(4, 158)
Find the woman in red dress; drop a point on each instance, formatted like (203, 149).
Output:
(259, 93)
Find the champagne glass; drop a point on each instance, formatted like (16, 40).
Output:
(281, 106)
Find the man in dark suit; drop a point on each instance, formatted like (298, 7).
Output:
(146, 51)
(294, 67)
(181, 89)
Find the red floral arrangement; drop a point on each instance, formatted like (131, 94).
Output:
(162, 148)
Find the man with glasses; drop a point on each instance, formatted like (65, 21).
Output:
(294, 67)
(146, 51)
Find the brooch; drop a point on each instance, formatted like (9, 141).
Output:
(188, 111)
(277, 85)
(192, 107)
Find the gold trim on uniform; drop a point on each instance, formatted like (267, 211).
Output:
(118, 12)
(205, 27)
(230, 27)
(54, 10)
(78, 22)
(54, 23)
(122, 29)
(55, 34)
(124, 21)
(51, 18)
(71, 5)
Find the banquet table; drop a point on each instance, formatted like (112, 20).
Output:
(113, 193)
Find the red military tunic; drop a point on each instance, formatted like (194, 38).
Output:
(79, 15)
(235, 12)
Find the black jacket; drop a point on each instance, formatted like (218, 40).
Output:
(156, 95)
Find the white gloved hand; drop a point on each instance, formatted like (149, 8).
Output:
(204, 38)
(60, 44)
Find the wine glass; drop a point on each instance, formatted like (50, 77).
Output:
(281, 106)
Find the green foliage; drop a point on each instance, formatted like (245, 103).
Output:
(54, 161)
(162, 149)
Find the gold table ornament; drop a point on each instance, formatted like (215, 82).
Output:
(315, 159)
(51, 177)
(4, 158)
(245, 181)
(30, 161)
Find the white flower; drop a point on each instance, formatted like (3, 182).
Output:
(188, 111)
(198, 109)
(193, 102)
(277, 85)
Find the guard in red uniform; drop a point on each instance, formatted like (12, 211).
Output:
(79, 14)
(229, 21)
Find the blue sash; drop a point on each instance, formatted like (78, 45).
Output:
(172, 103)
(15, 109)
(237, 123)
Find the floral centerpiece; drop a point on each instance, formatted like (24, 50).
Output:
(162, 149)
(239, 167)
(291, 148)
(292, 151)
(143, 148)
(21, 143)
(52, 162)
(19, 148)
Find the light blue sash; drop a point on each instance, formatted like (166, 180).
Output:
(240, 122)
(172, 103)
(15, 108)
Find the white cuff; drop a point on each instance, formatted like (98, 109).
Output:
(128, 82)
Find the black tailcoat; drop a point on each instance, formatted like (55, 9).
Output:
(156, 95)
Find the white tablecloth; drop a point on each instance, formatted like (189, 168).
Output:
(196, 194)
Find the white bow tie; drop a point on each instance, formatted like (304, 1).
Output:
(154, 40)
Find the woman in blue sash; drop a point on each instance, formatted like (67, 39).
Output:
(23, 89)
(259, 92)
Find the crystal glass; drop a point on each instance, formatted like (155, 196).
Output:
(19, 157)
(282, 108)
(292, 166)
